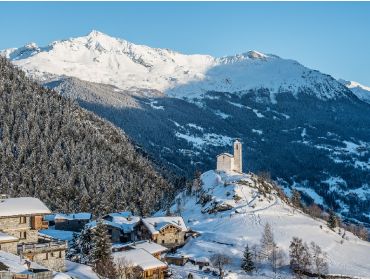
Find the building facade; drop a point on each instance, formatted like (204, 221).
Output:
(227, 162)
(22, 218)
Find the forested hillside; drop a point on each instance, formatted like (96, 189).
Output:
(52, 149)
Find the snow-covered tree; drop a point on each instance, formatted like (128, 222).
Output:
(101, 254)
(300, 258)
(247, 262)
(267, 242)
(333, 220)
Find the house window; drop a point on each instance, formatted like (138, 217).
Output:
(46, 257)
(176, 241)
(22, 220)
(162, 241)
(60, 255)
(22, 235)
(52, 254)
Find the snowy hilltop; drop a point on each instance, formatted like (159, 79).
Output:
(100, 58)
(361, 91)
(230, 210)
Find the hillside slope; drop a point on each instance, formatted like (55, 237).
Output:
(234, 215)
(74, 161)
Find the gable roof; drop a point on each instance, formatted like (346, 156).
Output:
(140, 258)
(22, 206)
(155, 224)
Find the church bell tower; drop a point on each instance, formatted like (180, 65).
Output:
(238, 167)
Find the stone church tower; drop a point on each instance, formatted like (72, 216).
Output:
(227, 162)
(238, 167)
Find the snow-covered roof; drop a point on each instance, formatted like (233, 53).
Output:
(155, 224)
(5, 237)
(225, 154)
(22, 206)
(73, 216)
(15, 265)
(150, 247)
(121, 221)
(139, 257)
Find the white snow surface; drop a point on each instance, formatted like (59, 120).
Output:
(15, 264)
(138, 257)
(77, 271)
(64, 235)
(150, 247)
(73, 216)
(100, 58)
(22, 206)
(228, 232)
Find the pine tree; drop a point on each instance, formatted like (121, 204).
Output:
(101, 254)
(247, 263)
(333, 220)
(296, 199)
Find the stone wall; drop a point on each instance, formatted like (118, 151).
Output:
(13, 226)
(170, 238)
(53, 260)
(10, 247)
(225, 163)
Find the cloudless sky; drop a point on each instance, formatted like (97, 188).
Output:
(333, 37)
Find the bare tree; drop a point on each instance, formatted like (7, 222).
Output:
(277, 258)
(319, 260)
(126, 270)
(219, 261)
(300, 258)
(267, 242)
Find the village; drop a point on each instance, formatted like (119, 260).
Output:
(34, 241)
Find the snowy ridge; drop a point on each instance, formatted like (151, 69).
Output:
(361, 91)
(100, 58)
(228, 229)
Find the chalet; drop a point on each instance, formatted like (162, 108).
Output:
(122, 226)
(71, 222)
(167, 231)
(149, 267)
(21, 218)
(12, 267)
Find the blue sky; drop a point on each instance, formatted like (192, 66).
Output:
(333, 37)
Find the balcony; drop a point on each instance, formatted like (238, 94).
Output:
(42, 247)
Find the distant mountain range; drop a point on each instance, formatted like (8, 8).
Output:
(310, 131)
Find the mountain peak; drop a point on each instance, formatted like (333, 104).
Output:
(95, 33)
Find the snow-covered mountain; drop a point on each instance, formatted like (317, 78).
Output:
(361, 91)
(304, 127)
(100, 58)
(230, 211)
